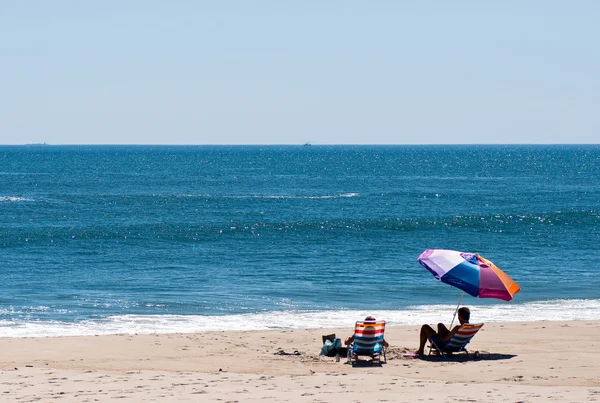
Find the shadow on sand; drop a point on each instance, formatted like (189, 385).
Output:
(477, 356)
(366, 363)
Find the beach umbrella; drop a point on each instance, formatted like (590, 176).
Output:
(470, 273)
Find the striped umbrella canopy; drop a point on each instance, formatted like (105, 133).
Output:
(469, 272)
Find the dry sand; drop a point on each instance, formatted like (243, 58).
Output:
(518, 362)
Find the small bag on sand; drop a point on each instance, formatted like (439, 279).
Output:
(328, 337)
(331, 347)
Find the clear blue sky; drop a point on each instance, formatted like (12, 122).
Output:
(283, 72)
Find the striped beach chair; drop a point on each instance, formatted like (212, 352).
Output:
(368, 341)
(457, 343)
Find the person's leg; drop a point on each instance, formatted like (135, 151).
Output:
(442, 331)
(426, 332)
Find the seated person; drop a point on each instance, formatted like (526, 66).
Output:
(367, 320)
(442, 333)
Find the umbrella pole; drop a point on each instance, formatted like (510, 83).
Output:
(457, 305)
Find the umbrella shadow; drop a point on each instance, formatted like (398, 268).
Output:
(476, 356)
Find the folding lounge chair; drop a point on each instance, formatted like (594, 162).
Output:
(457, 343)
(368, 341)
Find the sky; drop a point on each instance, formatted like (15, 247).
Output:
(290, 72)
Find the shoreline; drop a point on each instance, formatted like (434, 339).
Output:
(534, 311)
(519, 361)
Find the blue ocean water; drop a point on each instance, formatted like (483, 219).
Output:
(119, 239)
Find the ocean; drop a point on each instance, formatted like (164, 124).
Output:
(144, 239)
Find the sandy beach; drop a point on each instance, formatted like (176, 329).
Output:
(518, 362)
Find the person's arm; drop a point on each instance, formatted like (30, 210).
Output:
(451, 334)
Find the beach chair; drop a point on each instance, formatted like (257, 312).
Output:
(457, 343)
(368, 341)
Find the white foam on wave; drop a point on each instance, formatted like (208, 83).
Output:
(557, 310)
(336, 196)
(14, 199)
(333, 196)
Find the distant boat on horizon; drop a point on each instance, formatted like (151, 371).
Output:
(36, 144)
(307, 144)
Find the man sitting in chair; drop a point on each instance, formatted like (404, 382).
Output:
(442, 333)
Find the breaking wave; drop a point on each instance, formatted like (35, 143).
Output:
(555, 310)
(15, 199)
